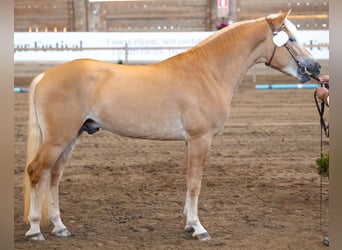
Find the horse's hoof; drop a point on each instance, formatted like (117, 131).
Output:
(62, 232)
(189, 229)
(203, 236)
(37, 236)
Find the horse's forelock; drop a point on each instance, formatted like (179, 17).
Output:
(293, 30)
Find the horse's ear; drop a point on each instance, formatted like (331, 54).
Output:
(279, 19)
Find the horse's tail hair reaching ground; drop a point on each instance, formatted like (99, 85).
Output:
(33, 144)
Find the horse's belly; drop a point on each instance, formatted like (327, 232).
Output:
(146, 128)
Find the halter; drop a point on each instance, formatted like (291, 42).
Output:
(301, 68)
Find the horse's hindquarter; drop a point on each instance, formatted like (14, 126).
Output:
(154, 102)
(62, 98)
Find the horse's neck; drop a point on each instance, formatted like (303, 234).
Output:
(235, 50)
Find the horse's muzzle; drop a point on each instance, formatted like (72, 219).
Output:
(315, 70)
(311, 70)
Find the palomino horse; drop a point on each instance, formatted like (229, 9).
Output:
(186, 97)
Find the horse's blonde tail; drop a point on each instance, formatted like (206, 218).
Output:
(34, 141)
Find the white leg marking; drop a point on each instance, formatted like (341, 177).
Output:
(59, 228)
(34, 216)
(192, 220)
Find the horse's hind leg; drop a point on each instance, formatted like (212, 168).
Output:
(34, 216)
(45, 172)
(196, 153)
(56, 175)
(39, 182)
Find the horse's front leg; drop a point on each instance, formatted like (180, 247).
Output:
(196, 153)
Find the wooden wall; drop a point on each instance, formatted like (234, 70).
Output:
(156, 15)
(81, 15)
(306, 14)
(42, 15)
(190, 15)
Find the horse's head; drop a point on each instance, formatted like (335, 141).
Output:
(286, 53)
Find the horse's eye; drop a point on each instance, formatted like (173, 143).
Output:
(292, 39)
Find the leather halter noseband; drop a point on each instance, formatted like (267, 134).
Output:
(301, 68)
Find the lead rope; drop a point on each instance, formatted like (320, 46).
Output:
(325, 128)
(326, 240)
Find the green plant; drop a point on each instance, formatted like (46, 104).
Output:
(323, 164)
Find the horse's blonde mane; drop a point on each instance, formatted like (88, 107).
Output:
(216, 34)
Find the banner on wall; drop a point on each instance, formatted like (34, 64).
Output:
(222, 8)
(131, 47)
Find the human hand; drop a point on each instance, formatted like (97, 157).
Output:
(324, 79)
(323, 95)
